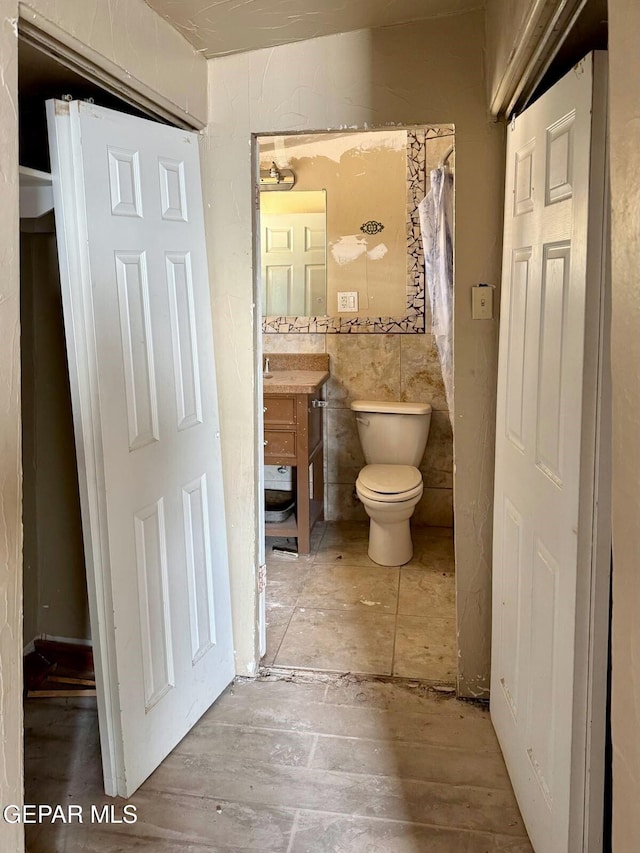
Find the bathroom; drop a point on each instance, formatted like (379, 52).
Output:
(336, 608)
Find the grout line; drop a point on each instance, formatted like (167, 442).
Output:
(395, 626)
(284, 634)
(358, 775)
(294, 829)
(312, 751)
(446, 827)
(483, 833)
(468, 750)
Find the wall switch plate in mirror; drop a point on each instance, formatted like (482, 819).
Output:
(348, 300)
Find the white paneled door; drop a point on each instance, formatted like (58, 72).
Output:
(129, 218)
(551, 527)
(293, 264)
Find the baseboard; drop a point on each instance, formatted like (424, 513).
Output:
(51, 638)
(30, 647)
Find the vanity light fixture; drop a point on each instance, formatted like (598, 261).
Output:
(276, 179)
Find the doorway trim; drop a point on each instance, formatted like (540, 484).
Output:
(37, 31)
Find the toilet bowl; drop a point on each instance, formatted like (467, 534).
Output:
(389, 505)
(393, 438)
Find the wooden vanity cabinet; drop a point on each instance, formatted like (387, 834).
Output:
(293, 435)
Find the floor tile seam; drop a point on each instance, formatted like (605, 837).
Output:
(284, 634)
(423, 569)
(258, 802)
(355, 774)
(444, 685)
(462, 750)
(435, 685)
(448, 684)
(395, 640)
(485, 833)
(377, 778)
(367, 612)
(349, 608)
(364, 673)
(341, 564)
(428, 618)
(293, 831)
(312, 751)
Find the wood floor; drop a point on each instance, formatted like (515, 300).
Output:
(320, 763)
(309, 762)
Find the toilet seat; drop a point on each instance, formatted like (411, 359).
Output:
(389, 483)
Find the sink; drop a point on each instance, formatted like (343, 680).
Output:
(296, 373)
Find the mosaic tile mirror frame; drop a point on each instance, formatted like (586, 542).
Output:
(414, 319)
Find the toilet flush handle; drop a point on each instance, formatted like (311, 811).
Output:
(362, 420)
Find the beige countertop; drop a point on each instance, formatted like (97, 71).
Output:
(295, 381)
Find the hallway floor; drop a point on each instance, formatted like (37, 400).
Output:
(337, 610)
(315, 764)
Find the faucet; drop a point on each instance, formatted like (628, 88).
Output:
(266, 373)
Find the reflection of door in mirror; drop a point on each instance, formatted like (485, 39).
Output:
(293, 253)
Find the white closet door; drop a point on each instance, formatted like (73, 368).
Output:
(138, 323)
(550, 581)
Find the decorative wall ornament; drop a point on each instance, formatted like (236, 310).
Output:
(414, 319)
(372, 227)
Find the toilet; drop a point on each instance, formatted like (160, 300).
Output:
(393, 438)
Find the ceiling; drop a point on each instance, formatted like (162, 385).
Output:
(218, 27)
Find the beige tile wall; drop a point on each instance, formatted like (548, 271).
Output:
(379, 367)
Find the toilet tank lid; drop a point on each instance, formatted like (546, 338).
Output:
(390, 407)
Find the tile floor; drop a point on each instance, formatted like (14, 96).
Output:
(308, 764)
(336, 610)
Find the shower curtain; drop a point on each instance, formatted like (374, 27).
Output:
(436, 224)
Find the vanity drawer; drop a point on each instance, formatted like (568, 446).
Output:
(280, 444)
(279, 409)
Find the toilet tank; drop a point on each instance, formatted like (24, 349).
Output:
(392, 433)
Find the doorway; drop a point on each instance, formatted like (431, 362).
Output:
(329, 606)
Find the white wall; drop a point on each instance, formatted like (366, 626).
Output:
(129, 34)
(431, 72)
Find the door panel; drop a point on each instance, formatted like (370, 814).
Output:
(293, 264)
(140, 343)
(545, 517)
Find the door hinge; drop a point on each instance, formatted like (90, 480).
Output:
(256, 196)
(262, 578)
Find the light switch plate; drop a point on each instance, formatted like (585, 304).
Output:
(348, 300)
(482, 302)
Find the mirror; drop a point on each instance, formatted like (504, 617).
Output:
(340, 237)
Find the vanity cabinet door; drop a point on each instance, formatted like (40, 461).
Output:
(280, 446)
(279, 409)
